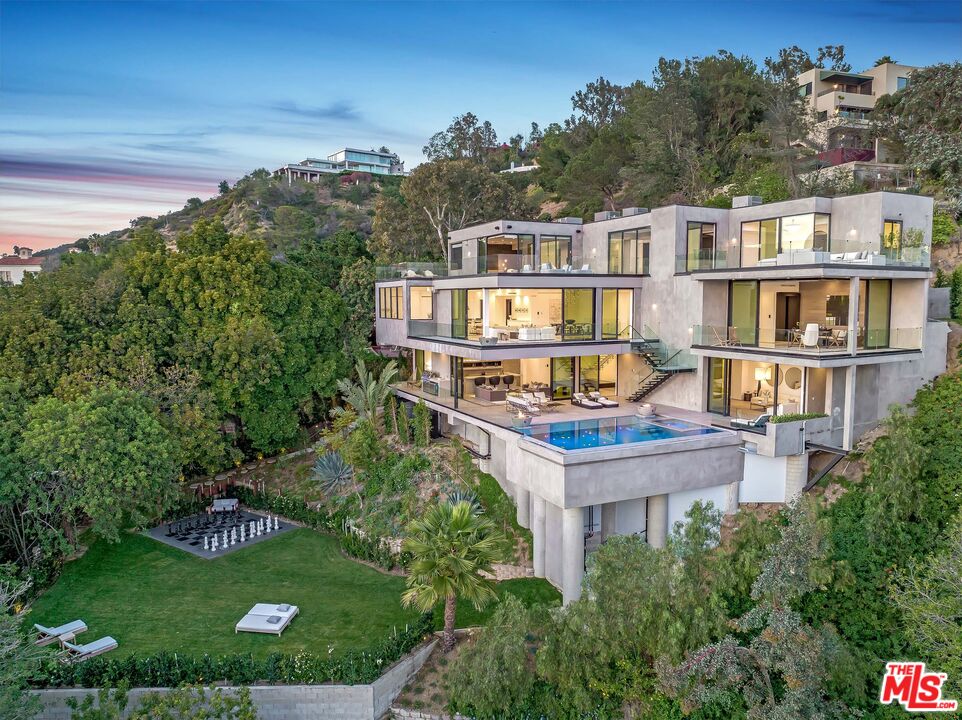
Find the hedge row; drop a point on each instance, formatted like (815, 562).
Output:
(167, 669)
(294, 508)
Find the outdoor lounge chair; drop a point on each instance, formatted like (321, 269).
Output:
(598, 397)
(519, 403)
(79, 653)
(759, 422)
(581, 400)
(46, 635)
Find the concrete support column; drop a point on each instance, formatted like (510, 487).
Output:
(731, 498)
(853, 301)
(523, 500)
(485, 310)
(657, 520)
(573, 553)
(848, 412)
(796, 475)
(538, 533)
(608, 520)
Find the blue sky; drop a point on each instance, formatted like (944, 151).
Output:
(109, 111)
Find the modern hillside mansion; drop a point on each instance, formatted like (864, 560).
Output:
(843, 103)
(609, 374)
(344, 160)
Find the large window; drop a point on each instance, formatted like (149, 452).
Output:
(422, 303)
(701, 246)
(598, 373)
(459, 313)
(456, 256)
(718, 373)
(628, 251)
(503, 253)
(762, 240)
(892, 239)
(615, 313)
(391, 303)
(578, 308)
(562, 377)
(878, 304)
(556, 250)
(743, 312)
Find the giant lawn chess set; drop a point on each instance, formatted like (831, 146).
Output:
(210, 535)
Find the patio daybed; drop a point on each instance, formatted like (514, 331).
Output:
(759, 422)
(581, 400)
(267, 618)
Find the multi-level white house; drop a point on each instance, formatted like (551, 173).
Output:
(700, 323)
(344, 160)
(842, 103)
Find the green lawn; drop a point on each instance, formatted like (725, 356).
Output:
(152, 597)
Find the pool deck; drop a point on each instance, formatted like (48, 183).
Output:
(496, 414)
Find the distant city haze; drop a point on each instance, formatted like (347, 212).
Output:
(112, 111)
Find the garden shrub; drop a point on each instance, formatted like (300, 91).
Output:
(955, 294)
(390, 415)
(364, 447)
(421, 425)
(795, 417)
(403, 424)
(167, 669)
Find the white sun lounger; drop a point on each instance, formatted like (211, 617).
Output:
(598, 397)
(267, 618)
(78, 653)
(46, 635)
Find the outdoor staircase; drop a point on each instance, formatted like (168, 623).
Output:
(665, 362)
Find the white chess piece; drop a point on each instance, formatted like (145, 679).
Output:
(252, 529)
(260, 526)
(205, 543)
(267, 525)
(225, 538)
(275, 522)
(214, 545)
(233, 536)
(242, 533)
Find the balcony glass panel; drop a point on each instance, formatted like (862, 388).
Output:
(578, 309)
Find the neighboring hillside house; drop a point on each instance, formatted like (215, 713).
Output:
(344, 160)
(13, 268)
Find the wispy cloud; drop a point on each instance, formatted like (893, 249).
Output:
(339, 110)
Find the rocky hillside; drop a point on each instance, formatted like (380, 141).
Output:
(262, 206)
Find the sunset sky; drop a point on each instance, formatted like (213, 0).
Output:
(112, 111)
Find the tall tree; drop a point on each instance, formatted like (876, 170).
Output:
(451, 546)
(367, 394)
(439, 197)
(466, 138)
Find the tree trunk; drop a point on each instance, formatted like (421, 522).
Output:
(447, 639)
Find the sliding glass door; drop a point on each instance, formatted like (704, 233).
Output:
(562, 378)
(718, 374)
(459, 314)
(743, 312)
(878, 304)
(578, 309)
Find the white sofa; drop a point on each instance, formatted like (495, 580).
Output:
(537, 333)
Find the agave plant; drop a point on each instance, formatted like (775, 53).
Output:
(463, 495)
(332, 472)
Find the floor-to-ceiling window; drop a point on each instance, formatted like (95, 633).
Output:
(615, 313)
(556, 250)
(743, 312)
(718, 385)
(578, 308)
(562, 377)
(459, 313)
(598, 373)
(892, 239)
(504, 253)
(878, 304)
(701, 246)
(628, 251)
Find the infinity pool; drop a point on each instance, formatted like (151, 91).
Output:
(604, 432)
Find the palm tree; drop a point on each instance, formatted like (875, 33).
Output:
(451, 545)
(366, 395)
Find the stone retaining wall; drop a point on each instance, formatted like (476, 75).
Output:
(285, 702)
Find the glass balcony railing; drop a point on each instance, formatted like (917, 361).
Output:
(410, 270)
(907, 257)
(512, 263)
(811, 339)
(473, 332)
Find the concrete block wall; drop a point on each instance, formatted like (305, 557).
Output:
(284, 702)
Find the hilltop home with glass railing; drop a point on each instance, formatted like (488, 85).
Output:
(609, 374)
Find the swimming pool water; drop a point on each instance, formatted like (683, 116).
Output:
(605, 432)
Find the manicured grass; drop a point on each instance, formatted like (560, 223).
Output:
(151, 597)
(530, 591)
